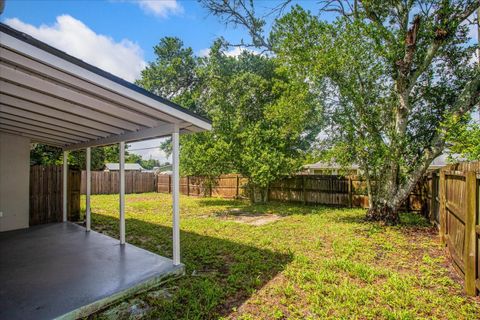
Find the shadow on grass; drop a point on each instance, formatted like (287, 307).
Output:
(220, 274)
(272, 207)
(207, 202)
(408, 220)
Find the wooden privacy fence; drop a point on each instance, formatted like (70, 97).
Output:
(459, 207)
(331, 190)
(46, 194)
(307, 189)
(225, 186)
(107, 182)
(452, 202)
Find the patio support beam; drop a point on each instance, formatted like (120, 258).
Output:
(122, 192)
(65, 180)
(148, 133)
(89, 188)
(175, 195)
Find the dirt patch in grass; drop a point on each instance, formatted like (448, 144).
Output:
(139, 199)
(254, 219)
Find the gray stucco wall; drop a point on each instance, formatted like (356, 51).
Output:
(14, 181)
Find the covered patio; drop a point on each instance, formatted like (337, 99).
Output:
(49, 97)
(59, 270)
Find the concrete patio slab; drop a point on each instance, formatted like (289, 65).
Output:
(61, 271)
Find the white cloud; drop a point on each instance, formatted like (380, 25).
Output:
(149, 149)
(161, 8)
(124, 58)
(234, 52)
(204, 52)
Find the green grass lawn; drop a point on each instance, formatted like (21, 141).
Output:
(310, 263)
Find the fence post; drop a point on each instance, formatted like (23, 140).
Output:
(237, 193)
(350, 196)
(470, 234)
(188, 185)
(431, 191)
(210, 187)
(304, 192)
(441, 191)
(169, 183)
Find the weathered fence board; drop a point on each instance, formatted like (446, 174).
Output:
(459, 206)
(307, 189)
(225, 186)
(107, 182)
(46, 194)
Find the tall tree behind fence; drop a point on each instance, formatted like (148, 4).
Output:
(46, 194)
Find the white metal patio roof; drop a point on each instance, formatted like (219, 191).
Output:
(56, 99)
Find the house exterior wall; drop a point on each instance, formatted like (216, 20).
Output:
(14, 181)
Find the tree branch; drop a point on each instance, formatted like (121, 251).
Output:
(439, 40)
(237, 12)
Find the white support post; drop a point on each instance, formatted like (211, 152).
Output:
(65, 180)
(175, 195)
(122, 192)
(89, 188)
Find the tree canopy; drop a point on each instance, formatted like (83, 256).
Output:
(391, 76)
(263, 121)
(42, 154)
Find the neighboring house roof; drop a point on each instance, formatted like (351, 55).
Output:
(436, 164)
(128, 167)
(167, 167)
(439, 162)
(326, 165)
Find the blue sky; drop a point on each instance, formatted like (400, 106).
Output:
(127, 20)
(118, 35)
(142, 22)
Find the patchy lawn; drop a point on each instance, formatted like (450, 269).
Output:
(287, 261)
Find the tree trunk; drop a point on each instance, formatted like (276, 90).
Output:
(383, 213)
(386, 199)
(258, 194)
